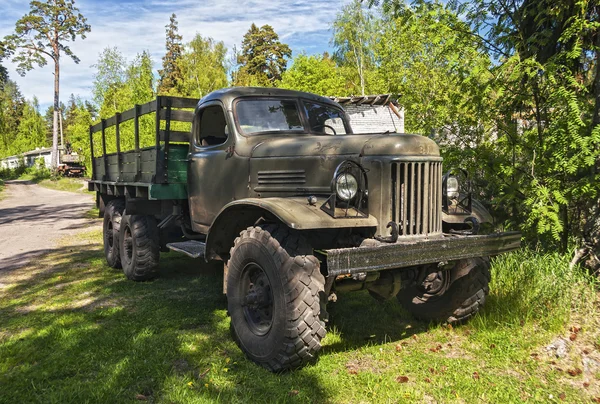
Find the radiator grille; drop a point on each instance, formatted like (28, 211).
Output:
(417, 197)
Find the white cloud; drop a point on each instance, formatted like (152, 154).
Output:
(137, 26)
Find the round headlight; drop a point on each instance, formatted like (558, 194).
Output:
(346, 186)
(452, 187)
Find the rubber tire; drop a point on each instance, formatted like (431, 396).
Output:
(456, 303)
(297, 286)
(112, 215)
(145, 254)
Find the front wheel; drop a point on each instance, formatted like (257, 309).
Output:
(140, 247)
(449, 296)
(274, 299)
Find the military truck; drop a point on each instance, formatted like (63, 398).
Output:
(275, 184)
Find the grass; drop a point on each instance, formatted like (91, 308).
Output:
(65, 184)
(74, 330)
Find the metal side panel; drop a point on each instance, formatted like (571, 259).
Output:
(403, 254)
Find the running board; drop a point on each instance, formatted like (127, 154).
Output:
(194, 249)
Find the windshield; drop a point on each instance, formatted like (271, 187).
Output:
(324, 119)
(268, 115)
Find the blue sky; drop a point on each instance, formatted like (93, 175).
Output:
(134, 26)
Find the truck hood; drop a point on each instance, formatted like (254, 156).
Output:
(358, 145)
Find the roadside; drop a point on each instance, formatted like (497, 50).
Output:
(34, 218)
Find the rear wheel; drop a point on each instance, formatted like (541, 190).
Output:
(450, 296)
(274, 298)
(140, 247)
(110, 231)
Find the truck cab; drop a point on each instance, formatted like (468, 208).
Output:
(299, 208)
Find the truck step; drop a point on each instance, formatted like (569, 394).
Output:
(194, 249)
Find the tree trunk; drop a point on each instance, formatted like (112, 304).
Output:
(55, 121)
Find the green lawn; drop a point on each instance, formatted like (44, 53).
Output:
(65, 184)
(74, 330)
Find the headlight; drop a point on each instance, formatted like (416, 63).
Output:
(346, 186)
(452, 187)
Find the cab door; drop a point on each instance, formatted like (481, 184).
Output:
(210, 165)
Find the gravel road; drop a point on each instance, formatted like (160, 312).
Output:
(33, 219)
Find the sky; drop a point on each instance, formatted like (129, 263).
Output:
(135, 25)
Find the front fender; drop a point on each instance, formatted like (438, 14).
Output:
(296, 213)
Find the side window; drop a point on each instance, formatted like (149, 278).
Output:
(211, 128)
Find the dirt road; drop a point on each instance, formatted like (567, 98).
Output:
(33, 219)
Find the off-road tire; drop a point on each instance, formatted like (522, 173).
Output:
(461, 298)
(140, 247)
(110, 232)
(297, 293)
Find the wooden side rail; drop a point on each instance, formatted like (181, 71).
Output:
(166, 109)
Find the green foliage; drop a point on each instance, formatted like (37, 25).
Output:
(315, 74)
(120, 86)
(31, 132)
(263, 58)
(171, 75)
(355, 34)
(202, 67)
(12, 104)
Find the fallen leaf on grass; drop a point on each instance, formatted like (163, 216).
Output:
(573, 337)
(596, 399)
(141, 397)
(432, 370)
(575, 330)
(574, 372)
(293, 393)
(402, 379)
(398, 347)
(586, 352)
(586, 385)
(476, 375)
(492, 346)
(427, 380)
(203, 374)
(562, 396)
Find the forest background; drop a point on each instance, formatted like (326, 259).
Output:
(509, 88)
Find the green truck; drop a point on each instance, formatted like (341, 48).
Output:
(275, 184)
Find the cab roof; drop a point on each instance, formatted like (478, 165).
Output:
(228, 95)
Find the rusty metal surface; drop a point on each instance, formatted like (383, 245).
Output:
(406, 254)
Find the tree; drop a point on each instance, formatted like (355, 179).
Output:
(315, 74)
(170, 75)
(31, 132)
(109, 76)
(203, 67)
(263, 57)
(41, 36)
(354, 38)
(11, 112)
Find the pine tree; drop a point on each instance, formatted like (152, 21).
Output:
(170, 75)
(41, 36)
(263, 58)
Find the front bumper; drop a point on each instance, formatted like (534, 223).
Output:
(449, 247)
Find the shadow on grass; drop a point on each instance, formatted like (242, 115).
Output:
(74, 330)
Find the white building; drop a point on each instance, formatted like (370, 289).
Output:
(28, 158)
(373, 113)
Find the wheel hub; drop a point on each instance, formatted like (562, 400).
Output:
(435, 282)
(257, 299)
